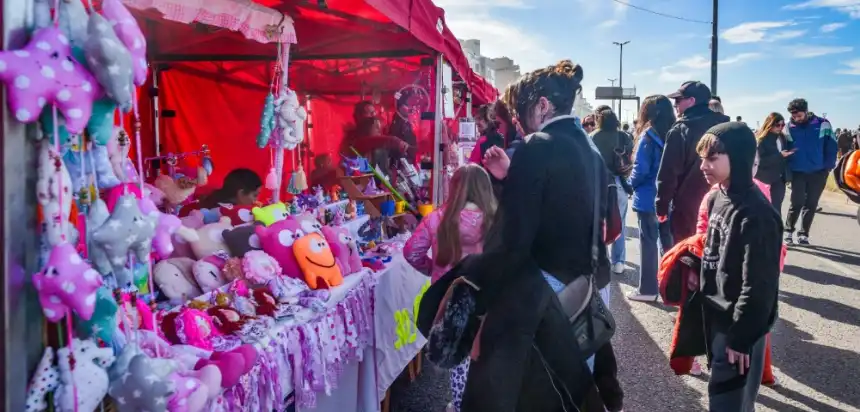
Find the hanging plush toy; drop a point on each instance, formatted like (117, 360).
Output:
(67, 284)
(98, 127)
(291, 118)
(102, 324)
(267, 121)
(144, 387)
(45, 380)
(54, 194)
(109, 61)
(44, 73)
(129, 33)
(127, 230)
(87, 381)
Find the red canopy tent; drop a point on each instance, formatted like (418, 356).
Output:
(211, 80)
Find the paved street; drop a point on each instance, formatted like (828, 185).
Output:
(816, 342)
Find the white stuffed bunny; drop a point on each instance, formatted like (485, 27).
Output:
(89, 378)
(291, 118)
(54, 179)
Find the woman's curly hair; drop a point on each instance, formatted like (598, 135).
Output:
(559, 84)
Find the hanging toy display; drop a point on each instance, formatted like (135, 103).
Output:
(291, 119)
(267, 121)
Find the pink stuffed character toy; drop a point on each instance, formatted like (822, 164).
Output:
(208, 240)
(309, 223)
(259, 267)
(189, 327)
(277, 240)
(67, 284)
(208, 272)
(136, 312)
(338, 239)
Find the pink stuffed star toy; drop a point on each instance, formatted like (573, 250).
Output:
(45, 73)
(67, 283)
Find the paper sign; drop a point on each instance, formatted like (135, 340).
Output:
(468, 131)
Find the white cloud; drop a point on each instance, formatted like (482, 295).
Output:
(802, 51)
(500, 38)
(779, 96)
(831, 27)
(608, 23)
(853, 67)
(695, 66)
(760, 31)
(849, 7)
(644, 73)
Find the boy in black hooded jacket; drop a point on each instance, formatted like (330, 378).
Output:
(740, 268)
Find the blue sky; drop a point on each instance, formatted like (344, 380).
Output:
(771, 51)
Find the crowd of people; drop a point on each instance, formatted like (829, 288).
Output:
(533, 229)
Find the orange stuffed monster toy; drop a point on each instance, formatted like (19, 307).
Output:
(317, 262)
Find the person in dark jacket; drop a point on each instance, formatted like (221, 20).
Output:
(616, 148)
(401, 127)
(772, 149)
(739, 282)
(680, 186)
(655, 119)
(529, 358)
(815, 156)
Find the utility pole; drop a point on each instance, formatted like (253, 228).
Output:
(613, 85)
(714, 47)
(621, 68)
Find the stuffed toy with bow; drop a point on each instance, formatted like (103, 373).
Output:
(291, 119)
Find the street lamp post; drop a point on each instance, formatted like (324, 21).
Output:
(714, 47)
(621, 68)
(613, 85)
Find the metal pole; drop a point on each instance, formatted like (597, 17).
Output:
(621, 69)
(438, 150)
(613, 85)
(714, 48)
(468, 104)
(155, 111)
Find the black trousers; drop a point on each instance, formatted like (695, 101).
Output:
(777, 195)
(806, 189)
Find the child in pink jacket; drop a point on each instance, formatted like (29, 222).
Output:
(450, 233)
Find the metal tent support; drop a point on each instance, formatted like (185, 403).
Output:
(438, 146)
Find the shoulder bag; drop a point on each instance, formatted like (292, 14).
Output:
(589, 316)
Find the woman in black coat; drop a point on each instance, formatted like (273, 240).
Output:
(772, 156)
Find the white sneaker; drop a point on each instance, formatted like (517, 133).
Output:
(696, 370)
(618, 268)
(638, 297)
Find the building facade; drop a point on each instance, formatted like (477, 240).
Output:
(479, 63)
(506, 71)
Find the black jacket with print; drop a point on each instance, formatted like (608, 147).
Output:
(740, 266)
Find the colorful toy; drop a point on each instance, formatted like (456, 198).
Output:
(109, 61)
(309, 223)
(259, 268)
(290, 119)
(137, 314)
(167, 225)
(189, 396)
(357, 165)
(207, 272)
(265, 301)
(209, 239)
(175, 279)
(241, 240)
(129, 33)
(267, 121)
(86, 381)
(102, 324)
(317, 262)
(344, 247)
(54, 179)
(232, 364)
(67, 284)
(268, 215)
(144, 387)
(44, 73)
(239, 215)
(227, 319)
(126, 230)
(189, 327)
(45, 380)
(209, 377)
(277, 240)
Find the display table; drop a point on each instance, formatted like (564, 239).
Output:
(343, 360)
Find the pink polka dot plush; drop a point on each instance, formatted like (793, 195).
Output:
(44, 73)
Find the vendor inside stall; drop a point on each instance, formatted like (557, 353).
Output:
(401, 127)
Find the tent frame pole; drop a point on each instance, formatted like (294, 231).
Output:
(438, 146)
(156, 110)
(468, 114)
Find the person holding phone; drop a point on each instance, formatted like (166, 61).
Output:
(773, 153)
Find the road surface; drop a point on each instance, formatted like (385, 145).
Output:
(816, 341)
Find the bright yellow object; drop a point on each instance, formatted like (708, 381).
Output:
(270, 214)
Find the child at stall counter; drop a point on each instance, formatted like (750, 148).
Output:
(241, 187)
(452, 232)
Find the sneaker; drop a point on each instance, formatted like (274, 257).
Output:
(618, 268)
(638, 297)
(696, 370)
(789, 239)
(802, 240)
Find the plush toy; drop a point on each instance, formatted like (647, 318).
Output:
(267, 121)
(87, 381)
(291, 118)
(232, 365)
(142, 388)
(118, 146)
(175, 279)
(94, 161)
(309, 223)
(181, 247)
(72, 20)
(113, 195)
(209, 378)
(129, 33)
(277, 240)
(177, 191)
(209, 239)
(109, 61)
(232, 269)
(317, 262)
(268, 215)
(102, 325)
(54, 180)
(238, 214)
(44, 73)
(228, 320)
(259, 268)
(344, 248)
(136, 314)
(207, 272)
(241, 240)
(67, 283)
(167, 225)
(45, 380)
(98, 127)
(189, 327)
(265, 301)
(127, 230)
